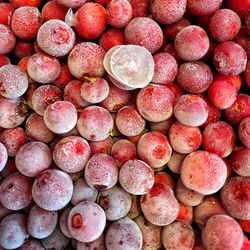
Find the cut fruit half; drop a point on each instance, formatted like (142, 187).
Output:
(129, 66)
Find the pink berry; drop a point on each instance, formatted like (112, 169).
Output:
(52, 189)
(203, 172)
(165, 69)
(103, 146)
(151, 234)
(116, 99)
(99, 244)
(19, 3)
(155, 102)
(4, 60)
(191, 43)
(231, 237)
(240, 161)
(95, 90)
(53, 10)
(219, 138)
(7, 39)
(86, 221)
(41, 223)
(25, 22)
(15, 191)
(24, 48)
(244, 131)
(167, 11)
(12, 112)
(178, 235)
(43, 96)
(222, 94)
(194, 77)
(101, 172)
(145, 32)
(136, 177)
(239, 110)
(85, 59)
(199, 7)
(115, 202)
(159, 205)
(123, 234)
(163, 126)
(184, 139)
(111, 38)
(33, 158)
(13, 139)
(127, 153)
(6, 10)
(13, 81)
(63, 222)
(56, 38)
(129, 122)
(175, 161)
(140, 8)
(94, 123)
(229, 25)
(60, 117)
(119, 13)
(13, 231)
(229, 58)
(210, 206)
(191, 110)
(214, 113)
(187, 196)
(37, 130)
(241, 8)
(90, 20)
(43, 68)
(71, 154)
(154, 148)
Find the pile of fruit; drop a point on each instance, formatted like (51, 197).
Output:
(125, 124)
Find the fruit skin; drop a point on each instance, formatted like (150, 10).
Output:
(25, 22)
(159, 205)
(86, 221)
(167, 11)
(224, 58)
(154, 148)
(191, 43)
(90, 20)
(6, 10)
(231, 237)
(229, 25)
(235, 197)
(203, 172)
(145, 32)
(119, 13)
(120, 232)
(201, 8)
(85, 59)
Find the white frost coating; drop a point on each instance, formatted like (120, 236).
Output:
(70, 18)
